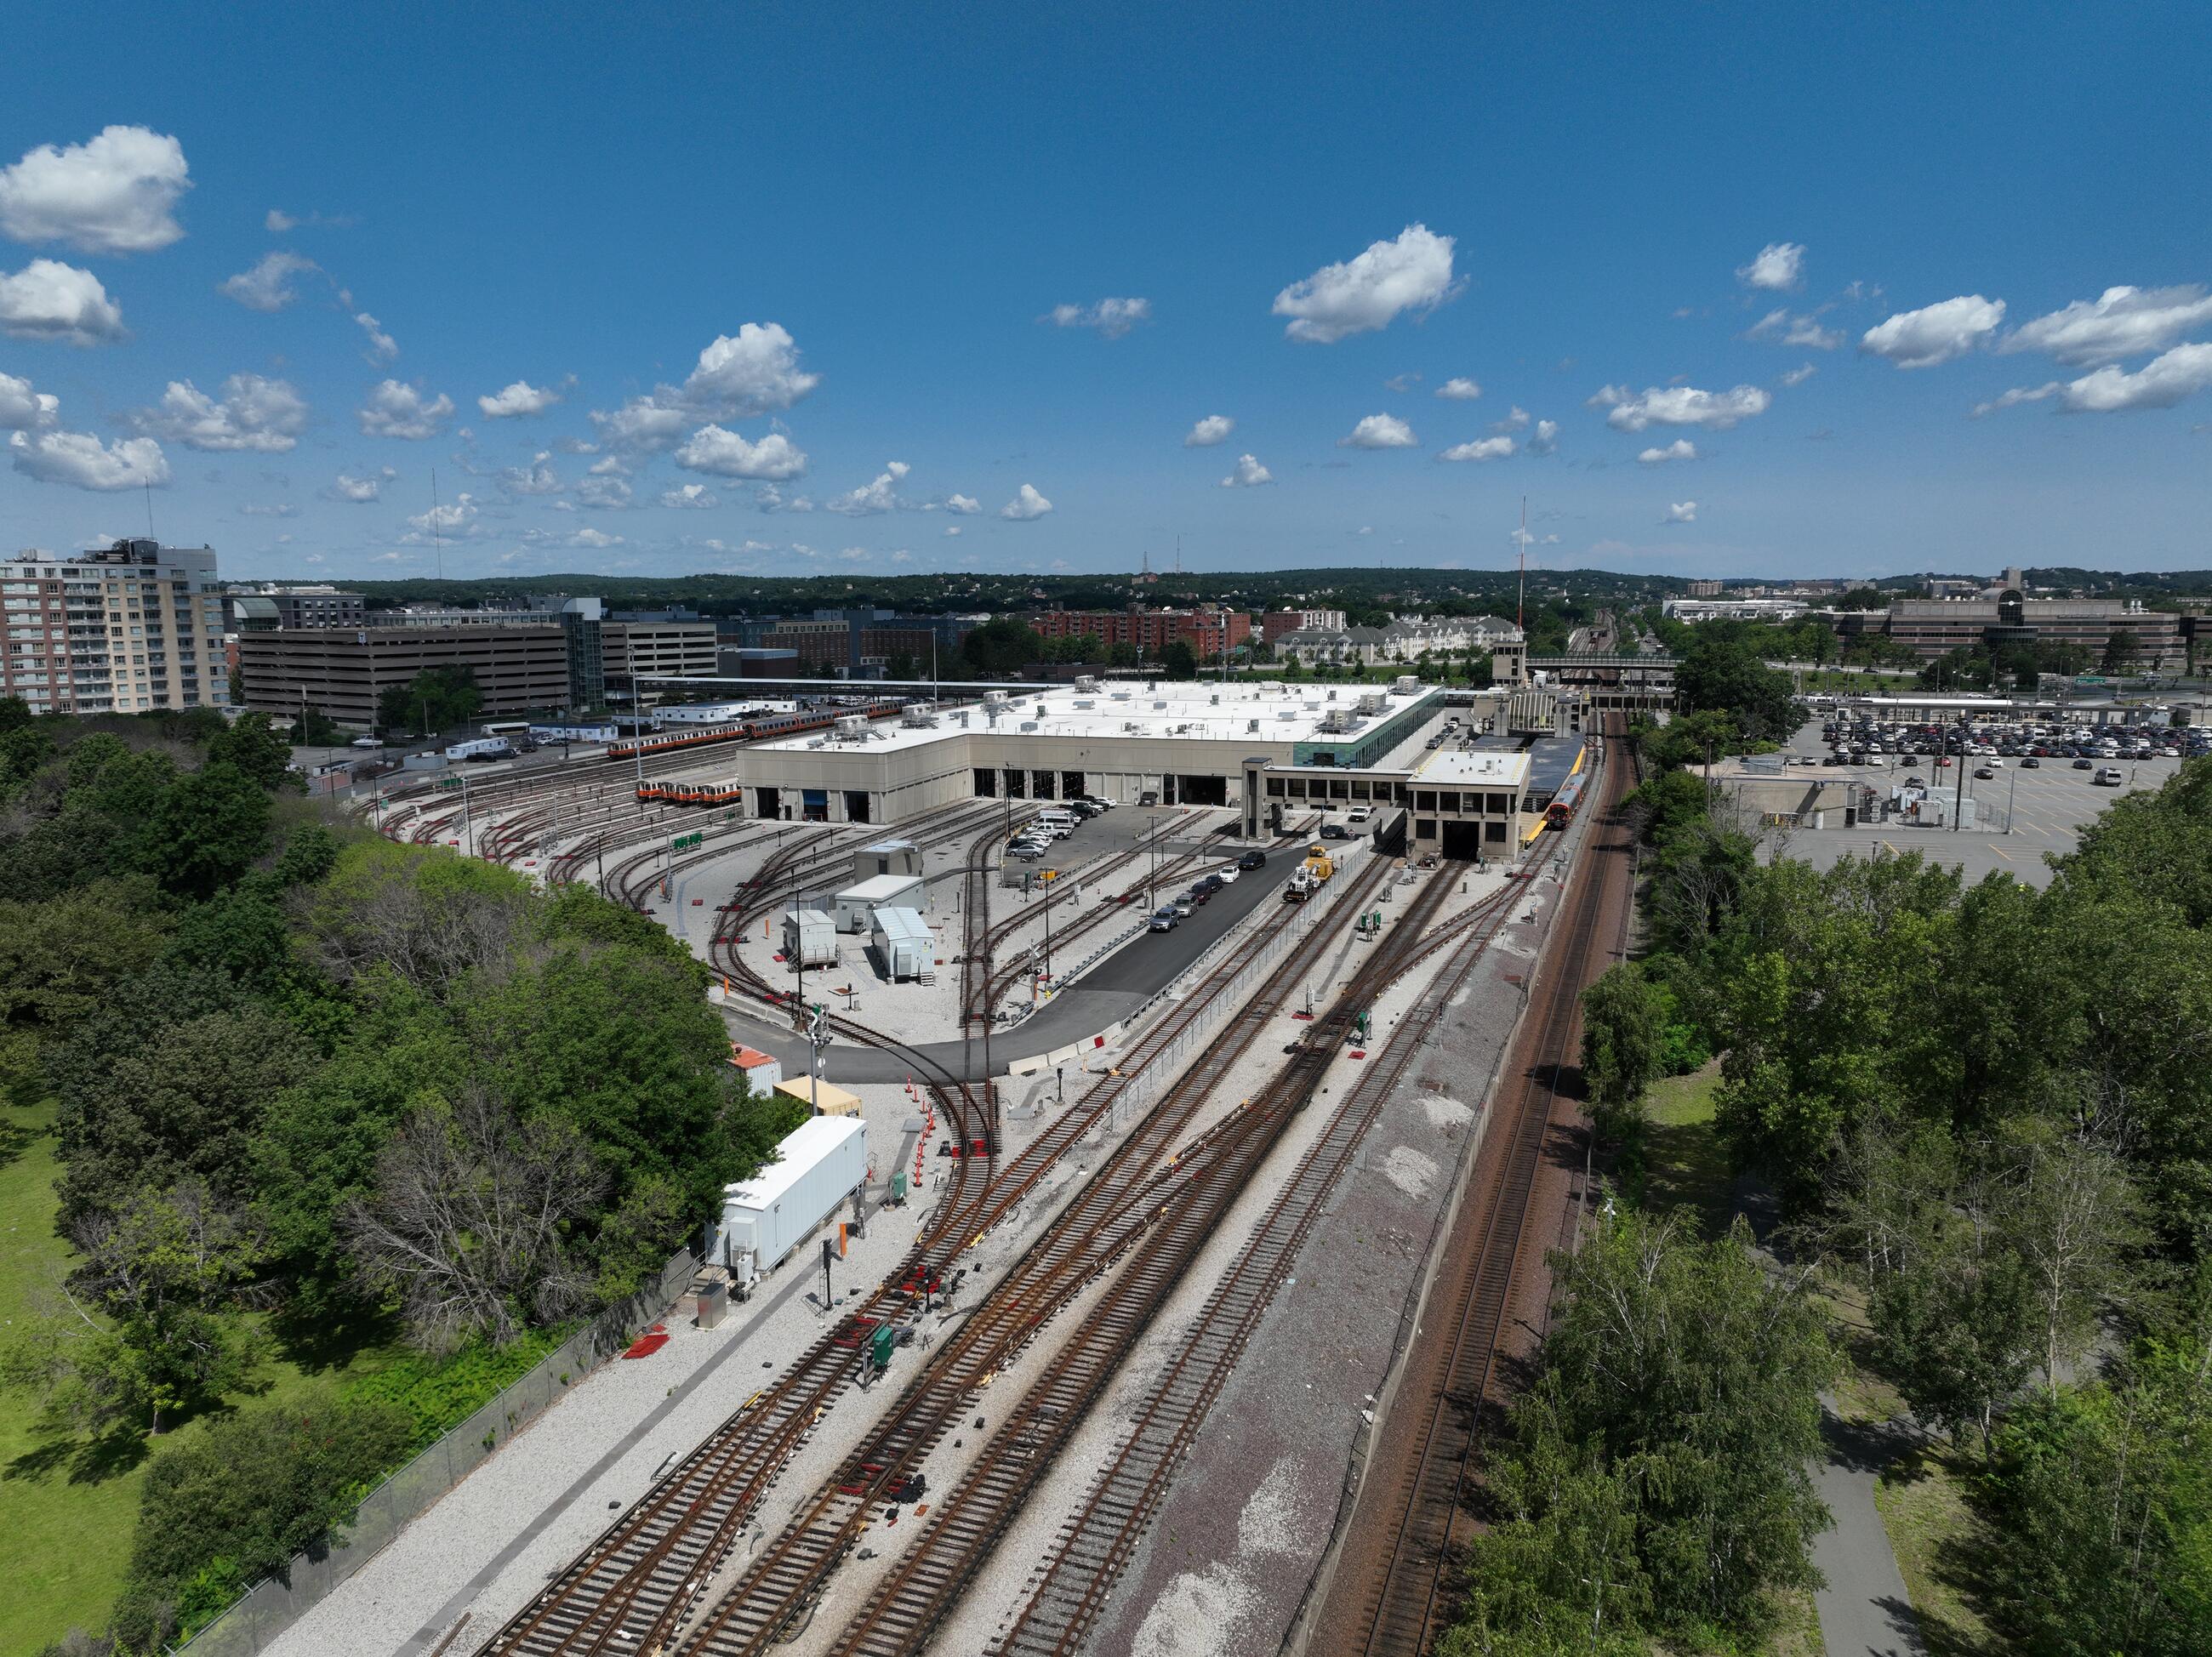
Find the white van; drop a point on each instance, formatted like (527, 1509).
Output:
(1061, 823)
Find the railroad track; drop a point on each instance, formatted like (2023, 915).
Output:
(1070, 1586)
(641, 1574)
(1404, 1608)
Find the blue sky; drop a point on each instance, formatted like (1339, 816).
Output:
(878, 210)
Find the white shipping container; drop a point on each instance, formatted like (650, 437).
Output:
(819, 1164)
(810, 938)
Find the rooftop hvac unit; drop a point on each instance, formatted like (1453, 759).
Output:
(1215, 699)
(816, 741)
(1120, 695)
(995, 699)
(1084, 704)
(1159, 707)
(1029, 725)
(915, 715)
(1373, 702)
(1251, 727)
(1286, 712)
(962, 718)
(852, 726)
(1405, 685)
(1131, 727)
(1086, 682)
(1040, 710)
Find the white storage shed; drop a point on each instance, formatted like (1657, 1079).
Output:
(853, 908)
(903, 944)
(818, 1164)
(810, 938)
(887, 857)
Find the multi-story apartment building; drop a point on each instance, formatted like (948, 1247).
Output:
(1276, 622)
(1207, 632)
(129, 628)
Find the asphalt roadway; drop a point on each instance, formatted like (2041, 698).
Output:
(1109, 992)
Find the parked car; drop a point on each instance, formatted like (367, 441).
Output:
(1224, 876)
(1163, 920)
(1359, 813)
(1982, 773)
(2085, 765)
(1255, 859)
(1336, 831)
(1183, 907)
(2031, 763)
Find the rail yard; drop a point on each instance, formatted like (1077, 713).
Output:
(1096, 1259)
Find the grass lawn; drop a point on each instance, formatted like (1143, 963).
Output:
(72, 1508)
(1686, 1165)
(1923, 1501)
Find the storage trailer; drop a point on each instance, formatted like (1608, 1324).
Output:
(810, 938)
(818, 1165)
(904, 943)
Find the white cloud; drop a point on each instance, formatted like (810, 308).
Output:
(1545, 437)
(749, 372)
(768, 498)
(2018, 395)
(1483, 448)
(966, 505)
(877, 496)
(256, 416)
(1204, 434)
(688, 495)
(518, 399)
(1380, 431)
(1682, 512)
(1781, 328)
(2120, 322)
(382, 348)
(114, 193)
(23, 409)
(394, 409)
(1109, 318)
(1459, 389)
(453, 520)
(79, 459)
(278, 222)
(1680, 449)
(1515, 418)
(606, 493)
(1680, 405)
(589, 536)
(1800, 375)
(279, 509)
(1935, 333)
(1413, 272)
(537, 477)
(358, 491)
(48, 299)
(651, 422)
(2158, 384)
(1779, 266)
(612, 465)
(952, 530)
(268, 285)
(1026, 504)
(1249, 475)
(724, 455)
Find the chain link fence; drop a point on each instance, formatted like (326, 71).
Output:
(271, 1605)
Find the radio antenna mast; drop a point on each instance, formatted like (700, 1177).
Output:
(1521, 603)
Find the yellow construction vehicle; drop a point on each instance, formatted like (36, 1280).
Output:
(1318, 864)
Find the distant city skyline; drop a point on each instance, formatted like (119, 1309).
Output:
(1724, 292)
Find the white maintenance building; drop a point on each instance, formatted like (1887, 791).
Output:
(818, 1165)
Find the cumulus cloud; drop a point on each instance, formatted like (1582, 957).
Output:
(589, 536)
(1779, 266)
(1380, 431)
(50, 300)
(1682, 512)
(1249, 475)
(1483, 448)
(768, 498)
(81, 459)
(1781, 328)
(1027, 504)
(725, 454)
(382, 348)
(2158, 384)
(966, 505)
(357, 491)
(22, 408)
(749, 372)
(1515, 418)
(537, 477)
(1935, 333)
(256, 416)
(2119, 322)
(1204, 434)
(268, 285)
(606, 493)
(279, 509)
(1544, 439)
(518, 399)
(451, 520)
(1109, 318)
(651, 422)
(1800, 375)
(1680, 449)
(952, 530)
(114, 193)
(1680, 405)
(1459, 389)
(395, 410)
(1413, 272)
(688, 497)
(878, 496)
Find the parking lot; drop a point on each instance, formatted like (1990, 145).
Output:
(2035, 811)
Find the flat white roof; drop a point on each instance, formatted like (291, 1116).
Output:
(1493, 767)
(880, 889)
(797, 1154)
(1195, 710)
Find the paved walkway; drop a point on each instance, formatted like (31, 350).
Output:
(1864, 1610)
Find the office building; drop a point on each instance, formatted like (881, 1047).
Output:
(129, 628)
(343, 674)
